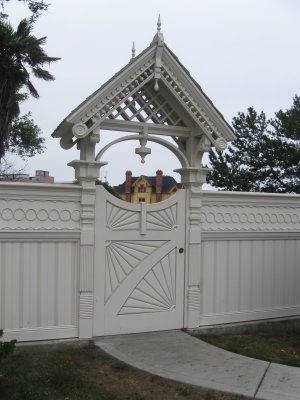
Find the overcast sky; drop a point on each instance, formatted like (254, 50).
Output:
(242, 52)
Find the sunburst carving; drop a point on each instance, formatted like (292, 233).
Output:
(157, 291)
(162, 220)
(119, 219)
(122, 257)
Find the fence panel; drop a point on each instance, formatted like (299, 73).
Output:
(250, 263)
(39, 246)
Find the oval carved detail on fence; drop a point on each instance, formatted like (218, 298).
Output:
(39, 215)
(247, 218)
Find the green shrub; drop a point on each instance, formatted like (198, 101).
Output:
(6, 347)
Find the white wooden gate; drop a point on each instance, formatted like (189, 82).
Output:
(139, 265)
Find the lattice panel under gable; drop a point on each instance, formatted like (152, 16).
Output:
(147, 105)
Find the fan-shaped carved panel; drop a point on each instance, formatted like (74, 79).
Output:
(157, 290)
(120, 219)
(122, 257)
(165, 219)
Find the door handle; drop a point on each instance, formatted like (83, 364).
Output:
(181, 250)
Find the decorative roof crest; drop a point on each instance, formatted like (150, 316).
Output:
(133, 51)
(154, 87)
(159, 40)
(158, 24)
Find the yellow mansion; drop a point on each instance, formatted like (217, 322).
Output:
(148, 189)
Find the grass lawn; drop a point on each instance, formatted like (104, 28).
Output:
(281, 347)
(87, 373)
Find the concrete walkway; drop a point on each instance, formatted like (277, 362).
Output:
(181, 357)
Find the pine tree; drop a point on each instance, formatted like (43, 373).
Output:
(265, 157)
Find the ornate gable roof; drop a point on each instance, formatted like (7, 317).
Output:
(153, 88)
(140, 179)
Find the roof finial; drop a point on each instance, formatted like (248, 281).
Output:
(158, 24)
(133, 50)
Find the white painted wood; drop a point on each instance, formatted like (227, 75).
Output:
(243, 260)
(151, 80)
(247, 280)
(297, 274)
(245, 276)
(41, 333)
(32, 301)
(257, 239)
(279, 272)
(39, 234)
(39, 208)
(233, 279)
(268, 279)
(242, 249)
(139, 272)
(38, 286)
(207, 280)
(221, 265)
(257, 274)
(250, 315)
(290, 271)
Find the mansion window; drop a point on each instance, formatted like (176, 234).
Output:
(142, 189)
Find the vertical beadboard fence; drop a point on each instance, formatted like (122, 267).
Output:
(250, 259)
(249, 268)
(39, 242)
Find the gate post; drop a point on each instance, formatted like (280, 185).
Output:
(193, 179)
(86, 172)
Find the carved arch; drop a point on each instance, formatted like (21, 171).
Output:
(181, 157)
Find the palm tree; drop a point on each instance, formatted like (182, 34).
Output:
(21, 54)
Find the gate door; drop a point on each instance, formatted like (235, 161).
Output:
(139, 265)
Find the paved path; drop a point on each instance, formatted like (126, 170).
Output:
(181, 357)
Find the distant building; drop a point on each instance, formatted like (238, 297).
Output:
(148, 189)
(40, 177)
